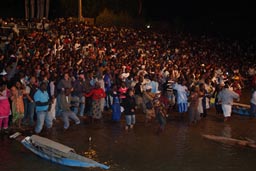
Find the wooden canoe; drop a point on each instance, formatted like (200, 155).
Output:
(246, 106)
(231, 141)
(56, 152)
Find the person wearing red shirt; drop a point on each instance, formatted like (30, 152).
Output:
(97, 94)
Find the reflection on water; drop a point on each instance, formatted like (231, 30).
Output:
(227, 131)
(181, 142)
(179, 148)
(91, 153)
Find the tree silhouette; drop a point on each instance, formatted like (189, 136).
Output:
(140, 5)
(42, 8)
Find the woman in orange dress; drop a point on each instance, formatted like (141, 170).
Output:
(17, 106)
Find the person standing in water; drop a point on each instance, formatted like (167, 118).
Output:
(129, 105)
(226, 98)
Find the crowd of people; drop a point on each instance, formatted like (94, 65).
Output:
(70, 70)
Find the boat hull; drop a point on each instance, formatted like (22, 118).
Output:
(79, 162)
(241, 109)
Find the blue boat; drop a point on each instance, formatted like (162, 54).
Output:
(241, 109)
(58, 153)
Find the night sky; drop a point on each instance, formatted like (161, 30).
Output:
(230, 17)
(209, 15)
(195, 8)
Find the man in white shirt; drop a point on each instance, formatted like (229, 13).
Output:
(182, 97)
(253, 103)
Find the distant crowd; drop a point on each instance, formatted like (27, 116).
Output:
(69, 70)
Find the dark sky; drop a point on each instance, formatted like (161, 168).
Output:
(165, 9)
(197, 8)
(228, 16)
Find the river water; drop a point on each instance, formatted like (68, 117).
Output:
(179, 148)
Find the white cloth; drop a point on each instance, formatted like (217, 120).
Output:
(227, 109)
(253, 99)
(200, 105)
(53, 109)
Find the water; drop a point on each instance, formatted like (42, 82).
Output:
(179, 148)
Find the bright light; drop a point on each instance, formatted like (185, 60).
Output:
(148, 26)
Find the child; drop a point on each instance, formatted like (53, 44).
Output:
(116, 111)
(122, 91)
(160, 112)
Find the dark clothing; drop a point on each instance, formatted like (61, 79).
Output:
(193, 112)
(62, 84)
(79, 88)
(160, 114)
(137, 89)
(129, 104)
(33, 89)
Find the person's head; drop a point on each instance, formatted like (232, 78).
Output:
(67, 91)
(99, 76)
(114, 87)
(181, 81)
(123, 84)
(130, 92)
(226, 85)
(141, 79)
(208, 81)
(21, 74)
(14, 90)
(194, 88)
(2, 85)
(81, 77)
(136, 78)
(32, 80)
(18, 85)
(66, 76)
(97, 85)
(201, 86)
(43, 86)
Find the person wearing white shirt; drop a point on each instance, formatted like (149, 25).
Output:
(182, 97)
(253, 104)
(226, 98)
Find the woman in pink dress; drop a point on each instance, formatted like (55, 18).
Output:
(4, 106)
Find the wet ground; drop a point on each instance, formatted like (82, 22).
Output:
(179, 148)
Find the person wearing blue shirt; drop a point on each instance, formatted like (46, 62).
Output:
(42, 100)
